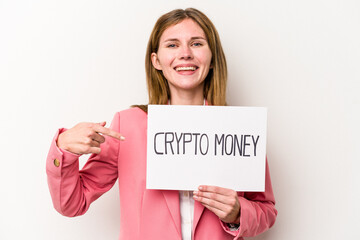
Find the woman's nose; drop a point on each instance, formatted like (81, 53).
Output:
(185, 52)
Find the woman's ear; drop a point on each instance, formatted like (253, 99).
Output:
(155, 61)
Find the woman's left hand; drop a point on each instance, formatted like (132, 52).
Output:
(221, 201)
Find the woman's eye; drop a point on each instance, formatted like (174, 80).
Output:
(171, 45)
(197, 44)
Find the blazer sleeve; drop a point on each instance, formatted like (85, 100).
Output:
(72, 191)
(257, 211)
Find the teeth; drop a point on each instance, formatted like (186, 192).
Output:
(185, 69)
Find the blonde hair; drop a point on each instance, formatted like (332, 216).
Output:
(215, 82)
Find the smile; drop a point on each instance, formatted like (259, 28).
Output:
(185, 68)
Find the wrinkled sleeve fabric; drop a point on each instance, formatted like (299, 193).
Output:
(257, 212)
(73, 190)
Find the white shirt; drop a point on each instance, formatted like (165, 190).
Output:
(186, 213)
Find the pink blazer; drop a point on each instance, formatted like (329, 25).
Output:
(145, 214)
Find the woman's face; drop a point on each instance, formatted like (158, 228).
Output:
(183, 56)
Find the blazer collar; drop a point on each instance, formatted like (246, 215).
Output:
(173, 204)
(198, 210)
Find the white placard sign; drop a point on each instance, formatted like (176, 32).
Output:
(188, 146)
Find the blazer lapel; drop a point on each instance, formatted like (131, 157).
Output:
(198, 210)
(173, 203)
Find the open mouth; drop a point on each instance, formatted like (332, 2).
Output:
(190, 68)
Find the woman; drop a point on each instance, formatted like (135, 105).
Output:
(185, 65)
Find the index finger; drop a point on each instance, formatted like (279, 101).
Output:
(216, 189)
(107, 131)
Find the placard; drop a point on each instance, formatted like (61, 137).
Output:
(188, 146)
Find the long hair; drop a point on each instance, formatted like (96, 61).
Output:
(215, 82)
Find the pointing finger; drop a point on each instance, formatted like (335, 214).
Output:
(103, 124)
(107, 131)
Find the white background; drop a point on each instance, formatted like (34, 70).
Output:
(62, 62)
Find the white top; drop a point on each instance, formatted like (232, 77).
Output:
(186, 213)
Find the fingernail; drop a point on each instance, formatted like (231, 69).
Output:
(195, 197)
(122, 138)
(195, 192)
(200, 188)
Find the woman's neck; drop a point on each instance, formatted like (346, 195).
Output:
(194, 96)
(186, 99)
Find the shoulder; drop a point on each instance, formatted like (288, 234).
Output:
(131, 116)
(133, 112)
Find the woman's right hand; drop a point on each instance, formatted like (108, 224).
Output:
(86, 138)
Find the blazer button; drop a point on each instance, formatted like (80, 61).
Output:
(56, 162)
